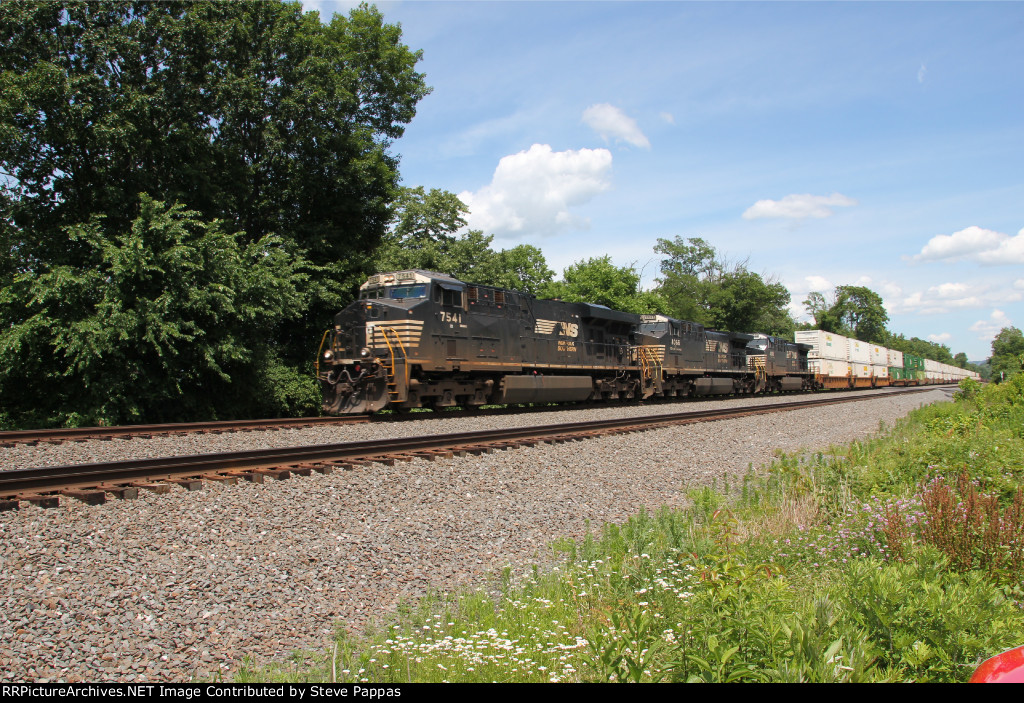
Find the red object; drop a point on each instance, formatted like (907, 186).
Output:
(1007, 667)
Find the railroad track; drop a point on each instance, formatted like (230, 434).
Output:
(10, 438)
(92, 483)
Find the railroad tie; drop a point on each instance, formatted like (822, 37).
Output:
(189, 484)
(279, 474)
(122, 492)
(157, 488)
(87, 497)
(42, 501)
(227, 479)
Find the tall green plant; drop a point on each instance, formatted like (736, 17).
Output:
(170, 319)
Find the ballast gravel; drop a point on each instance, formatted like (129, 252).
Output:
(186, 585)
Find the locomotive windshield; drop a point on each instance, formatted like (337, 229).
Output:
(418, 290)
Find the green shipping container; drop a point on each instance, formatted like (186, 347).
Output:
(897, 373)
(913, 363)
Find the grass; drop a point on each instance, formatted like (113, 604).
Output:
(899, 558)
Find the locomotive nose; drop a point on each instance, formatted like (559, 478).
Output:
(350, 332)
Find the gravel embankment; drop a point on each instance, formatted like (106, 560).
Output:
(170, 587)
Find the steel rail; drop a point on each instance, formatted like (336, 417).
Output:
(10, 438)
(119, 473)
(65, 434)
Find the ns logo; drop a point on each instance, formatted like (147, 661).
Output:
(561, 329)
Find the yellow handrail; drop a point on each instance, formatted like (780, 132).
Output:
(316, 363)
(391, 350)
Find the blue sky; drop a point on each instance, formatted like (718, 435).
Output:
(877, 144)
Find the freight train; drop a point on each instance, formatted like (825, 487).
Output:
(422, 339)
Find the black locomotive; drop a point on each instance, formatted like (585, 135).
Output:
(423, 339)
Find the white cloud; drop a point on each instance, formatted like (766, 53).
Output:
(614, 124)
(949, 290)
(667, 117)
(798, 206)
(988, 329)
(946, 297)
(921, 73)
(817, 283)
(1019, 284)
(974, 243)
(941, 337)
(889, 289)
(531, 192)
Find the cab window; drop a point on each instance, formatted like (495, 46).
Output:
(415, 291)
(448, 297)
(452, 298)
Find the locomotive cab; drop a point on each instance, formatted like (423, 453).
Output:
(778, 364)
(364, 360)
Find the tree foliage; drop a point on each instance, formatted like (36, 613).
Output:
(253, 115)
(1007, 353)
(425, 234)
(699, 286)
(858, 312)
(597, 280)
(855, 311)
(920, 347)
(155, 323)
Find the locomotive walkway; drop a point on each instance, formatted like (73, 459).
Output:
(92, 483)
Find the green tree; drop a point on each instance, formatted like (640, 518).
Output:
(425, 235)
(424, 232)
(426, 220)
(253, 114)
(1007, 353)
(861, 312)
(689, 273)
(920, 347)
(821, 310)
(855, 311)
(156, 323)
(744, 302)
(700, 287)
(598, 281)
(522, 268)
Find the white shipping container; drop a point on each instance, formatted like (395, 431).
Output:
(830, 367)
(861, 370)
(860, 352)
(879, 355)
(880, 370)
(824, 345)
(931, 368)
(895, 358)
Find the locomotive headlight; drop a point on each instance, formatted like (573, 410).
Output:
(328, 355)
(364, 352)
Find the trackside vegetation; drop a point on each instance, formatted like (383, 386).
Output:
(898, 558)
